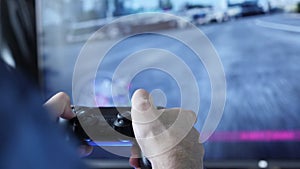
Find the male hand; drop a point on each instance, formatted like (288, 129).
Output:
(59, 106)
(164, 144)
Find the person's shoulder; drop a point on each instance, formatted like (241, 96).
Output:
(28, 136)
(16, 90)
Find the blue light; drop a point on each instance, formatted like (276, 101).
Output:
(122, 143)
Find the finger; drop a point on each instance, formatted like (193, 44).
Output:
(85, 150)
(163, 130)
(143, 110)
(141, 101)
(135, 155)
(135, 151)
(145, 121)
(134, 162)
(59, 105)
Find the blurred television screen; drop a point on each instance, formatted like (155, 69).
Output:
(257, 42)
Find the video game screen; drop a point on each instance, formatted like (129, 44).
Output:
(255, 44)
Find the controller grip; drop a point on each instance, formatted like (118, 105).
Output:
(118, 119)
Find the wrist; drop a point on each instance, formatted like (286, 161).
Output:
(180, 157)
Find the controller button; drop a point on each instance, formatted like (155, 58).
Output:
(120, 122)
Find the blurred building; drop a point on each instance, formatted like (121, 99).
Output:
(89, 9)
(123, 7)
(165, 4)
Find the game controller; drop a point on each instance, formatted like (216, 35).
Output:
(104, 124)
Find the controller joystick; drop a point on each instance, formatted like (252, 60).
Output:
(123, 124)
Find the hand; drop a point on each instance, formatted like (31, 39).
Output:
(59, 105)
(164, 146)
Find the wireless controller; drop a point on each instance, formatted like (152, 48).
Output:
(104, 124)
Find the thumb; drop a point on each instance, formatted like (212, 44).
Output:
(144, 118)
(143, 110)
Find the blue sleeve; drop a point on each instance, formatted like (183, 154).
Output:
(29, 139)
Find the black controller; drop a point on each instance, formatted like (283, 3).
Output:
(98, 124)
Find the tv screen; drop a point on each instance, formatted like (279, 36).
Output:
(259, 55)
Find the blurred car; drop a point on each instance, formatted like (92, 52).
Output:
(202, 16)
(252, 7)
(218, 16)
(198, 14)
(234, 12)
(220, 10)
